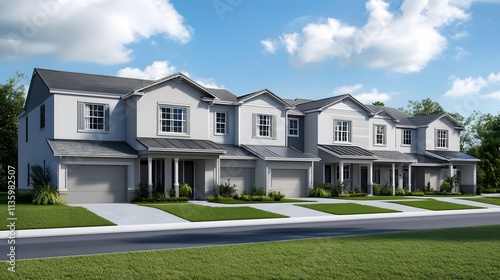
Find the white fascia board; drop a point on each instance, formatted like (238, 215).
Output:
(85, 93)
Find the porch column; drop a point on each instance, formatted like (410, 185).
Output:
(217, 172)
(409, 177)
(176, 176)
(150, 176)
(370, 179)
(451, 173)
(341, 172)
(400, 176)
(393, 179)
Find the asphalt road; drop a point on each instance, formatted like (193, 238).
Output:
(43, 247)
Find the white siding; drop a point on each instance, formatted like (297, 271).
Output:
(229, 137)
(345, 111)
(265, 105)
(310, 132)
(390, 133)
(453, 135)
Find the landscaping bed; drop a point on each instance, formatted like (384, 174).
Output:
(346, 208)
(435, 205)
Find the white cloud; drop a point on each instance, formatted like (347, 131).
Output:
(269, 45)
(479, 86)
(366, 97)
(460, 35)
(461, 52)
(401, 41)
(98, 31)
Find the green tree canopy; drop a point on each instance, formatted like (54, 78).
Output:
(11, 105)
(378, 103)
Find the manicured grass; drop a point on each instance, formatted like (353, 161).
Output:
(436, 205)
(239, 201)
(489, 200)
(199, 213)
(346, 208)
(377, 197)
(461, 253)
(31, 216)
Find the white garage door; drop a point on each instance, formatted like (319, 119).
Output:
(293, 183)
(96, 184)
(241, 177)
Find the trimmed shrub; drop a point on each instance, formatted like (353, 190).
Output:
(445, 187)
(276, 195)
(386, 190)
(357, 194)
(320, 192)
(417, 193)
(225, 189)
(172, 193)
(376, 189)
(258, 191)
(185, 190)
(47, 195)
(142, 191)
(400, 192)
(357, 189)
(344, 195)
(337, 189)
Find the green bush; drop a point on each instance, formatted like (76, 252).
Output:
(400, 192)
(417, 193)
(344, 195)
(39, 176)
(24, 197)
(172, 193)
(357, 194)
(337, 189)
(386, 190)
(320, 192)
(142, 191)
(185, 190)
(47, 195)
(225, 189)
(428, 188)
(445, 187)
(376, 189)
(258, 191)
(246, 197)
(276, 195)
(357, 189)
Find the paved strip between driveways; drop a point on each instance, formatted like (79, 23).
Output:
(131, 214)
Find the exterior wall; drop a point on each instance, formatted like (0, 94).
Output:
(390, 133)
(345, 111)
(405, 148)
(36, 151)
(262, 104)
(176, 94)
(131, 123)
(38, 93)
(230, 136)
(468, 178)
(422, 139)
(311, 130)
(293, 141)
(453, 135)
(66, 118)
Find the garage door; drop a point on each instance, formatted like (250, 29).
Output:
(241, 177)
(96, 184)
(292, 183)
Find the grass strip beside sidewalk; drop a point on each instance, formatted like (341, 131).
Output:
(346, 208)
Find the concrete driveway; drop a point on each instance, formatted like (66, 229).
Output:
(131, 214)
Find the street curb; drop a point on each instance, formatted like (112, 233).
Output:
(54, 232)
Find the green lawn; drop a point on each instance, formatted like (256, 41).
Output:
(489, 200)
(199, 213)
(462, 253)
(436, 205)
(31, 216)
(239, 201)
(378, 197)
(346, 208)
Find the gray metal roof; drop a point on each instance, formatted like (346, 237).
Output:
(181, 145)
(393, 156)
(451, 155)
(352, 152)
(62, 80)
(279, 153)
(317, 104)
(251, 95)
(224, 94)
(425, 120)
(297, 101)
(404, 119)
(86, 148)
(423, 159)
(236, 151)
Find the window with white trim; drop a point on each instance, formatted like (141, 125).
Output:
(346, 172)
(342, 131)
(264, 125)
(293, 127)
(442, 138)
(172, 120)
(380, 134)
(94, 117)
(406, 137)
(220, 123)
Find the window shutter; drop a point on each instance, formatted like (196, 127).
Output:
(106, 117)
(188, 119)
(435, 138)
(273, 126)
(81, 116)
(254, 125)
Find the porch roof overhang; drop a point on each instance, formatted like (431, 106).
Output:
(348, 152)
(279, 153)
(424, 160)
(451, 156)
(236, 152)
(393, 156)
(181, 145)
(90, 148)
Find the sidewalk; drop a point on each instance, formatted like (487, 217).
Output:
(297, 214)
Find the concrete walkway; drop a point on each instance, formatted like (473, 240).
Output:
(131, 214)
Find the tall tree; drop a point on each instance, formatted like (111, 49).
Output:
(422, 107)
(11, 105)
(378, 103)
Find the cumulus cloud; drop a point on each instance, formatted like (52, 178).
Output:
(479, 86)
(366, 97)
(401, 41)
(98, 31)
(269, 45)
(160, 69)
(460, 52)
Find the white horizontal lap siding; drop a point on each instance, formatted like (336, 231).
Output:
(229, 137)
(346, 111)
(266, 106)
(453, 135)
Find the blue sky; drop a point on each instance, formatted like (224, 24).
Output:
(392, 51)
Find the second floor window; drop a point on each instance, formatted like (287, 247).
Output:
(441, 138)
(264, 125)
(293, 127)
(173, 120)
(93, 117)
(406, 137)
(380, 134)
(342, 131)
(220, 123)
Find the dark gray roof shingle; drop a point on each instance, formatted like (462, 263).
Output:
(181, 145)
(425, 120)
(235, 151)
(393, 156)
(423, 159)
(349, 151)
(404, 119)
(279, 153)
(451, 155)
(87, 148)
(224, 94)
(317, 104)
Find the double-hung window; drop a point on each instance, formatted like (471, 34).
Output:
(293, 127)
(406, 137)
(342, 131)
(264, 125)
(93, 117)
(380, 134)
(173, 120)
(220, 123)
(442, 138)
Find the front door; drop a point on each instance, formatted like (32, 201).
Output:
(364, 179)
(189, 175)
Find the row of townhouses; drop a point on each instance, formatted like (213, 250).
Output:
(102, 136)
